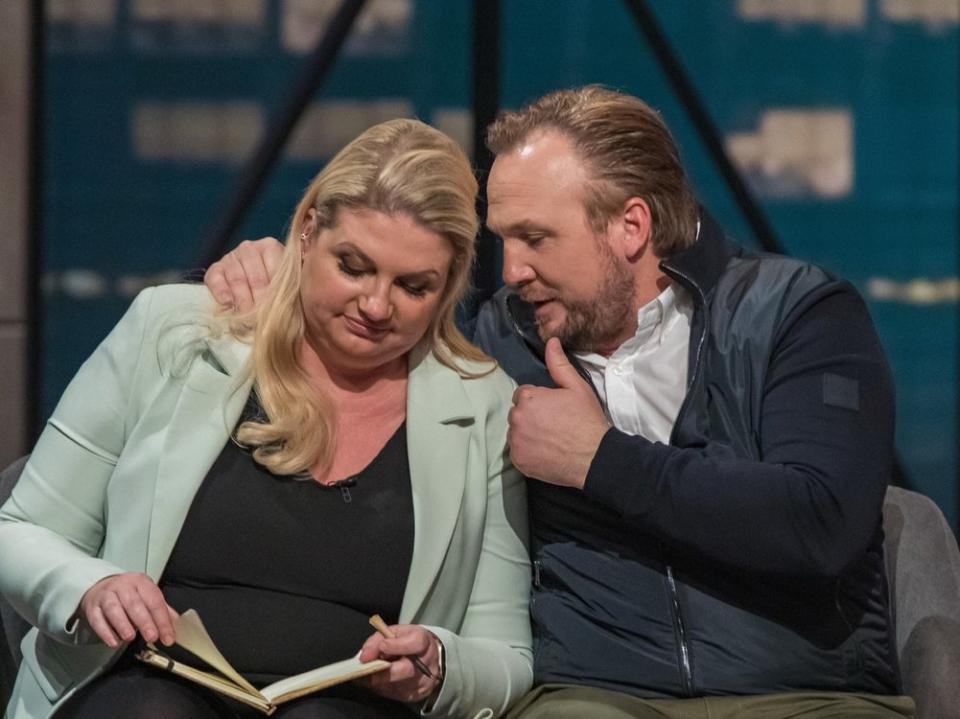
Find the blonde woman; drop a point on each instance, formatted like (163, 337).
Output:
(339, 452)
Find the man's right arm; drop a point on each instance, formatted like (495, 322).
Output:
(242, 276)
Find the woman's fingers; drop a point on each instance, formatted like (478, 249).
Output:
(403, 680)
(153, 601)
(116, 614)
(99, 624)
(119, 607)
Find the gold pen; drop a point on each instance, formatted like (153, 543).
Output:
(381, 626)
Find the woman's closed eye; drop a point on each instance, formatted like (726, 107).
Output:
(351, 270)
(414, 289)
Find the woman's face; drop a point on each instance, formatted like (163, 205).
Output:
(370, 287)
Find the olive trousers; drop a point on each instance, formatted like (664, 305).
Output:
(565, 701)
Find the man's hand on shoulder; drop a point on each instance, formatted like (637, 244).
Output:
(554, 433)
(243, 275)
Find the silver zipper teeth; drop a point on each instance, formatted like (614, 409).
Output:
(684, 652)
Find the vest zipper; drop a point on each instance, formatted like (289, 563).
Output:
(686, 673)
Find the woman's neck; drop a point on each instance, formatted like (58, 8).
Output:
(356, 390)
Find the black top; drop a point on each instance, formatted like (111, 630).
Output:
(285, 572)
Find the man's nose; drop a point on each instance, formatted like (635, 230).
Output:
(516, 269)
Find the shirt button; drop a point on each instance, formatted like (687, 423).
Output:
(618, 370)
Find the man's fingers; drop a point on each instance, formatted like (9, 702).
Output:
(216, 282)
(241, 295)
(272, 255)
(561, 371)
(254, 268)
(523, 393)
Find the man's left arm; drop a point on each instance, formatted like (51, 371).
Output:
(811, 504)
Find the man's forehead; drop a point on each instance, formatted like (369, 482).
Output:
(543, 161)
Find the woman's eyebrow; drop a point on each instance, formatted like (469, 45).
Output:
(352, 248)
(348, 246)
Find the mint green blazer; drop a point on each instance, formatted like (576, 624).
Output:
(111, 479)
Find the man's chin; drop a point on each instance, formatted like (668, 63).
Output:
(548, 327)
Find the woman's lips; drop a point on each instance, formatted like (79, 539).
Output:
(366, 329)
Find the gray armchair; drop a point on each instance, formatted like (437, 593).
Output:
(923, 566)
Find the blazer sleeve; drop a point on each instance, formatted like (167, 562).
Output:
(489, 661)
(52, 527)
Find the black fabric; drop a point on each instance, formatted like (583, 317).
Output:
(285, 572)
(745, 557)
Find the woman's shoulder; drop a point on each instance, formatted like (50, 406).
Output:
(164, 300)
(484, 379)
(156, 310)
(165, 320)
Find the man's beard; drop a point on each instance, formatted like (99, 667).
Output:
(599, 322)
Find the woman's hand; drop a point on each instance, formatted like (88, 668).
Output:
(403, 681)
(118, 607)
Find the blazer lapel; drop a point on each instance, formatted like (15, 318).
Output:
(437, 448)
(207, 411)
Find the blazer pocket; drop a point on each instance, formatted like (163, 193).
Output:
(47, 671)
(57, 667)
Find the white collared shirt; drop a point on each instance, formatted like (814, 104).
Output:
(643, 383)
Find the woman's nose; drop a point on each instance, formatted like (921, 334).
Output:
(376, 305)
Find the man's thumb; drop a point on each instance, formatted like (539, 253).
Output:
(562, 372)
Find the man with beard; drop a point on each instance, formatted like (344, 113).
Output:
(708, 434)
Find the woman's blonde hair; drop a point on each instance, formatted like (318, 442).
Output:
(397, 167)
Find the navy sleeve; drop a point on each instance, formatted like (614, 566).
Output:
(812, 504)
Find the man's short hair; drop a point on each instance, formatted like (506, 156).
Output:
(628, 150)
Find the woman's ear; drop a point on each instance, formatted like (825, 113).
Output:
(308, 230)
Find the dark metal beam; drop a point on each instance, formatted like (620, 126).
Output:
(690, 98)
(486, 104)
(257, 169)
(677, 76)
(35, 203)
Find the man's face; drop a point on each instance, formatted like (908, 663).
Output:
(581, 290)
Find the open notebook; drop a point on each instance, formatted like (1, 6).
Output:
(192, 636)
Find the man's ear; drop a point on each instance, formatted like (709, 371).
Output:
(637, 227)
